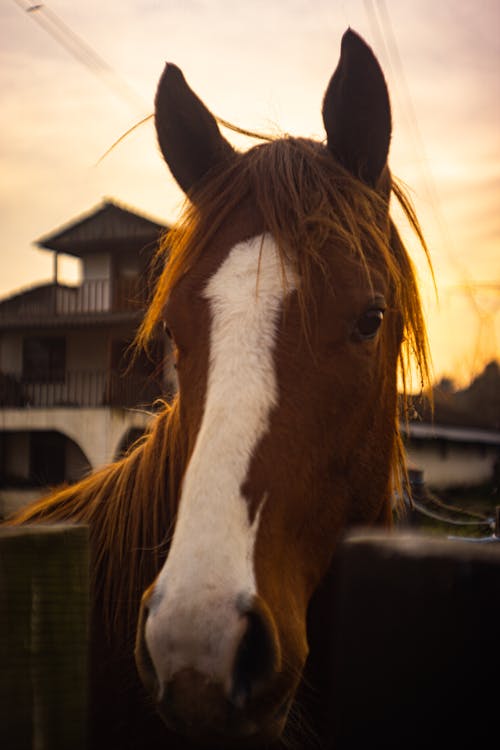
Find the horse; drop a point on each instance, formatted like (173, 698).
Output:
(293, 309)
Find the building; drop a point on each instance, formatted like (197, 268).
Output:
(71, 397)
(452, 456)
(456, 441)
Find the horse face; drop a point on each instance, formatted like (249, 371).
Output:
(275, 415)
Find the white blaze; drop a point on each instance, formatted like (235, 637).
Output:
(210, 566)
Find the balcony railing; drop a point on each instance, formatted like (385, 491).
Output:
(81, 389)
(93, 296)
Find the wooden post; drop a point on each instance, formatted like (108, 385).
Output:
(415, 660)
(44, 611)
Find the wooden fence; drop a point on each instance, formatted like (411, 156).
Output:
(44, 608)
(411, 646)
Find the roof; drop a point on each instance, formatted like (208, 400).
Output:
(426, 431)
(108, 226)
(32, 295)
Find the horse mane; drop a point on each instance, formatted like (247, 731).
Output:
(306, 200)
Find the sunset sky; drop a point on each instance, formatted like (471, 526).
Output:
(263, 65)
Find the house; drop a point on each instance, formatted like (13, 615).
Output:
(71, 397)
(456, 440)
(453, 456)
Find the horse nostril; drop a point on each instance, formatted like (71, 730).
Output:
(257, 657)
(144, 663)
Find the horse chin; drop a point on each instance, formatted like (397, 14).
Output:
(208, 719)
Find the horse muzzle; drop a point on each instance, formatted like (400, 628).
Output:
(215, 684)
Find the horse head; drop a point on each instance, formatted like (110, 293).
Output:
(285, 300)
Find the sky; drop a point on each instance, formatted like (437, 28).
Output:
(263, 65)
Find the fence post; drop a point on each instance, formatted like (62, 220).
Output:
(44, 610)
(415, 659)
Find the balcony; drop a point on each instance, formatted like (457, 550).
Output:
(94, 298)
(81, 389)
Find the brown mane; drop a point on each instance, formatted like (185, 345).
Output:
(306, 200)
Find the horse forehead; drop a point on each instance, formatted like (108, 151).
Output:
(242, 225)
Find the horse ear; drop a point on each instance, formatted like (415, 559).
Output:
(189, 138)
(357, 112)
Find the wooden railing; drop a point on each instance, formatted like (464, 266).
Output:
(100, 295)
(80, 389)
(93, 296)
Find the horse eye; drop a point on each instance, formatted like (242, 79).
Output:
(368, 324)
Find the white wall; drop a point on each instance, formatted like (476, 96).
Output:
(97, 432)
(453, 465)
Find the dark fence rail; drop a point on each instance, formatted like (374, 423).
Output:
(410, 653)
(80, 388)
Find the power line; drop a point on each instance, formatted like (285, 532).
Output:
(383, 32)
(484, 298)
(382, 28)
(82, 52)
(491, 286)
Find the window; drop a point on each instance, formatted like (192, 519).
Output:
(44, 360)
